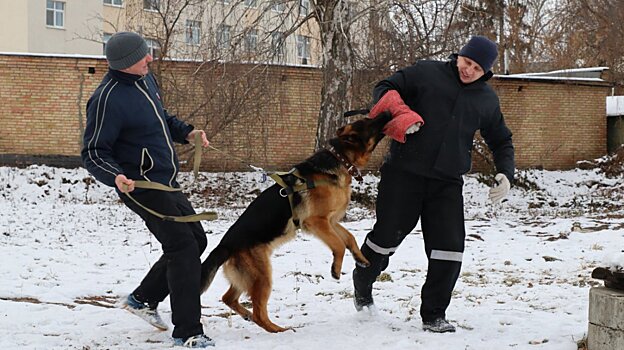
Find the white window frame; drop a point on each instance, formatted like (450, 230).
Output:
(224, 36)
(56, 13)
(251, 40)
(154, 47)
(304, 7)
(279, 6)
(114, 3)
(151, 5)
(193, 32)
(278, 44)
(304, 48)
(105, 38)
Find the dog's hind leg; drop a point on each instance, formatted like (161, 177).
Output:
(260, 289)
(231, 297)
(321, 228)
(259, 293)
(351, 244)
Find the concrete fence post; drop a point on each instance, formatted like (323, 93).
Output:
(606, 319)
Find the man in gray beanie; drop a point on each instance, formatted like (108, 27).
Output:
(437, 107)
(124, 49)
(129, 136)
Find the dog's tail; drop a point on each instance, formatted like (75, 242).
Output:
(215, 259)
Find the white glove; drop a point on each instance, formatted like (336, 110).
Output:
(413, 128)
(500, 191)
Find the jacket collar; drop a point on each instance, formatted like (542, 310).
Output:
(453, 61)
(125, 78)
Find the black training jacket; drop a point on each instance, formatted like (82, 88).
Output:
(452, 112)
(129, 132)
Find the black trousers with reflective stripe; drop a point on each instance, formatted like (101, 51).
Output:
(178, 271)
(404, 198)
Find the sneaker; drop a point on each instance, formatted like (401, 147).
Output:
(196, 341)
(439, 325)
(143, 311)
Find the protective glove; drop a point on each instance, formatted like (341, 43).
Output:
(404, 120)
(501, 189)
(412, 129)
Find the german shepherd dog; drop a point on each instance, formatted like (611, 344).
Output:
(245, 249)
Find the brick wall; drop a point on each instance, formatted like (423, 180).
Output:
(42, 102)
(554, 124)
(43, 99)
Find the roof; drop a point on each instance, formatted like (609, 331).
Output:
(591, 75)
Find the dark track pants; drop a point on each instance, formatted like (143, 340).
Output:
(402, 199)
(178, 271)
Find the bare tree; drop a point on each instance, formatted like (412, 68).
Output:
(589, 33)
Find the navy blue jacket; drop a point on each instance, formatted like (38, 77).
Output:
(129, 132)
(452, 112)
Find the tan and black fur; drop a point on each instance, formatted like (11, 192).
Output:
(246, 248)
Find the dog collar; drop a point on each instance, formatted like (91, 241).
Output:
(351, 169)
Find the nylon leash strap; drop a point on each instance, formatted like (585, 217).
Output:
(207, 216)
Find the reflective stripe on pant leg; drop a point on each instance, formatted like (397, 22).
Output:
(444, 233)
(380, 250)
(447, 255)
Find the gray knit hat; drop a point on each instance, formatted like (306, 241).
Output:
(124, 49)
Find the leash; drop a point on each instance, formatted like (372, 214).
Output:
(255, 168)
(208, 216)
(197, 156)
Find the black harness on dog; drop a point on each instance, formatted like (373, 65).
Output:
(293, 182)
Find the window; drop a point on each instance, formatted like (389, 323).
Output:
(151, 5)
(351, 10)
(278, 6)
(223, 36)
(55, 13)
(154, 47)
(251, 3)
(114, 2)
(251, 40)
(224, 2)
(105, 38)
(304, 7)
(193, 32)
(303, 48)
(277, 43)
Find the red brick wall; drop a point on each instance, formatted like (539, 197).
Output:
(42, 115)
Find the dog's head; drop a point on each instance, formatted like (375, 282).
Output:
(358, 140)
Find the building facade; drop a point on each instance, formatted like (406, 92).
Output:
(208, 30)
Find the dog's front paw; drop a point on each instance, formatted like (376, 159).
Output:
(335, 272)
(362, 263)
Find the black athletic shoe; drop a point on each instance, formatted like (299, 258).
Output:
(439, 325)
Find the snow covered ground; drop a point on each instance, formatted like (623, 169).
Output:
(69, 249)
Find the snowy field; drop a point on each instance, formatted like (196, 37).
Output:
(70, 249)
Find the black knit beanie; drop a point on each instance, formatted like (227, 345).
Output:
(124, 49)
(481, 50)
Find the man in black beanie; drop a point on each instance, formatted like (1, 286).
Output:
(437, 107)
(129, 136)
